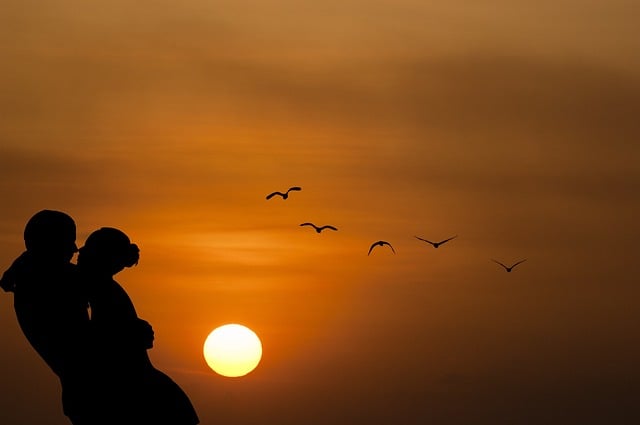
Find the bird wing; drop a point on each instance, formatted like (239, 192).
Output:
(328, 227)
(381, 243)
(294, 188)
(423, 240)
(496, 261)
(447, 240)
(521, 261)
(271, 195)
(307, 224)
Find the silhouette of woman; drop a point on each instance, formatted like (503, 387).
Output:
(134, 391)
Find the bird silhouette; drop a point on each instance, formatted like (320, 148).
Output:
(508, 269)
(319, 228)
(380, 243)
(436, 244)
(284, 195)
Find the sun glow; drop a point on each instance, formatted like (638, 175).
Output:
(232, 350)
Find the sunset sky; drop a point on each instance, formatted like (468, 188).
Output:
(512, 124)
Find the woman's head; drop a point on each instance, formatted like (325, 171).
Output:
(51, 235)
(108, 250)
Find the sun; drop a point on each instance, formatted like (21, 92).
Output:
(232, 350)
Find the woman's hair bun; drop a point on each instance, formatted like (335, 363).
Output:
(132, 256)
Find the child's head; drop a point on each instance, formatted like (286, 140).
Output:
(51, 236)
(108, 250)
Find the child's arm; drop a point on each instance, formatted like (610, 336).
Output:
(10, 276)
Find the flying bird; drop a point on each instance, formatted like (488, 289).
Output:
(284, 195)
(319, 228)
(508, 269)
(437, 244)
(380, 243)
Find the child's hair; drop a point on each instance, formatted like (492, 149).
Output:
(49, 229)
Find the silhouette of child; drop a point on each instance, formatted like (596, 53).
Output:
(131, 383)
(51, 306)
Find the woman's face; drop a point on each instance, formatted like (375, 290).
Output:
(90, 259)
(84, 257)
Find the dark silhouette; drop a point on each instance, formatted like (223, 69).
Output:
(508, 269)
(319, 228)
(51, 307)
(380, 243)
(141, 393)
(436, 244)
(284, 195)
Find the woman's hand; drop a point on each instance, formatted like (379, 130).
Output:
(145, 333)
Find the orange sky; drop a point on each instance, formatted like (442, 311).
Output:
(512, 124)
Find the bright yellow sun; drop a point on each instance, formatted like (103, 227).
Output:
(232, 350)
